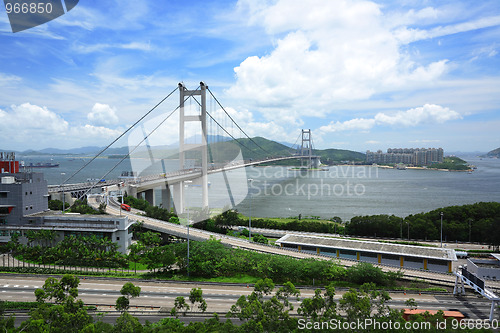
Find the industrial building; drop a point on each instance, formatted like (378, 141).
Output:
(24, 206)
(404, 256)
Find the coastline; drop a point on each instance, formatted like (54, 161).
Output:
(418, 168)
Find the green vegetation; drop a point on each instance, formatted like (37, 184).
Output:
(228, 150)
(266, 309)
(79, 206)
(211, 259)
(480, 222)
(451, 163)
(224, 222)
(74, 250)
(57, 205)
(152, 211)
(128, 291)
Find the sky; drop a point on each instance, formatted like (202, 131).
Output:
(362, 75)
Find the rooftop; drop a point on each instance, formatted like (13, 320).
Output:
(370, 246)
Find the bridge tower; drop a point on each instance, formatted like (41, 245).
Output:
(306, 148)
(183, 146)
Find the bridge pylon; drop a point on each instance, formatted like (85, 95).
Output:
(306, 148)
(183, 146)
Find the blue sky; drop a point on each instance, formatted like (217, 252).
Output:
(360, 74)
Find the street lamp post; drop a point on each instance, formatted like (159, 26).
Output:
(470, 238)
(250, 217)
(441, 229)
(188, 242)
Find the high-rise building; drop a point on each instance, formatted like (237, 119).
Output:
(414, 156)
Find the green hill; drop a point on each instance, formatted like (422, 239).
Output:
(257, 148)
(251, 150)
(494, 153)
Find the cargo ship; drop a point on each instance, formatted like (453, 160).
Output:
(41, 165)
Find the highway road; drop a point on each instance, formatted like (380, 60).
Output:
(156, 295)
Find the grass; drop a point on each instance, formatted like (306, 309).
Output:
(137, 266)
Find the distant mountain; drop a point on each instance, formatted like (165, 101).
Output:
(258, 148)
(333, 156)
(221, 148)
(494, 153)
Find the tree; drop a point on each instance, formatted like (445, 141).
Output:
(258, 238)
(128, 291)
(67, 315)
(102, 208)
(127, 324)
(60, 291)
(270, 315)
(364, 272)
(320, 308)
(359, 305)
(411, 303)
(196, 296)
(180, 305)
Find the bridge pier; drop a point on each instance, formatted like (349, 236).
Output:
(166, 202)
(149, 195)
(132, 191)
(179, 197)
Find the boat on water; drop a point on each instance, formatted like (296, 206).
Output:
(42, 165)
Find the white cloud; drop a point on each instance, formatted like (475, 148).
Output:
(102, 114)
(25, 118)
(95, 131)
(28, 126)
(427, 114)
(408, 35)
(326, 53)
(349, 125)
(81, 48)
(6, 79)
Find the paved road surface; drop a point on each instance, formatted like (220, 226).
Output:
(219, 298)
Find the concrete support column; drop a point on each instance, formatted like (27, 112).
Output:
(166, 202)
(149, 195)
(178, 197)
(132, 191)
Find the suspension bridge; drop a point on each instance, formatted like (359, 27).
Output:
(210, 142)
